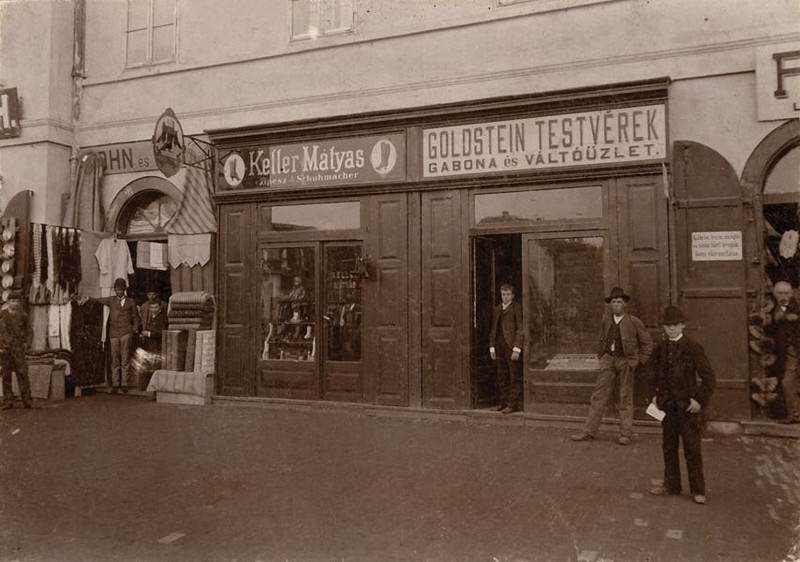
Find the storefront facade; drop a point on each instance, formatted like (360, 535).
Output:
(412, 253)
(400, 228)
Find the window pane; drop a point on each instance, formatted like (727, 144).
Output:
(534, 206)
(164, 43)
(288, 310)
(342, 315)
(305, 18)
(163, 12)
(151, 217)
(785, 176)
(137, 14)
(338, 15)
(137, 47)
(565, 288)
(322, 216)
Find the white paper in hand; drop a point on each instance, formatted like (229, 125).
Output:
(655, 412)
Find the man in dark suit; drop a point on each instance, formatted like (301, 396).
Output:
(679, 361)
(624, 345)
(123, 324)
(784, 328)
(505, 347)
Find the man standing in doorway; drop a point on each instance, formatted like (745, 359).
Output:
(15, 340)
(784, 328)
(505, 347)
(624, 345)
(123, 324)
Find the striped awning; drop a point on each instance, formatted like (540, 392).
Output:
(195, 211)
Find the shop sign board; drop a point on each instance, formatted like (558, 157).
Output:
(717, 246)
(778, 81)
(9, 113)
(123, 158)
(168, 143)
(345, 161)
(606, 137)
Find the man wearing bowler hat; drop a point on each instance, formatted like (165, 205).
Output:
(679, 363)
(123, 324)
(624, 345)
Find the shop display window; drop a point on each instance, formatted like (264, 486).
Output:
(495, 209)
(565, 280)
(342, 314)
(288, 309)
(782, 220)
(316, 216)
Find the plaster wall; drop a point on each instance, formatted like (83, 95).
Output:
(719, 112)
(412, 57)
(36, 58)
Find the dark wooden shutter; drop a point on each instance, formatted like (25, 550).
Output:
(445, 378)
(713, 294)
(386, 378)
(236, 361)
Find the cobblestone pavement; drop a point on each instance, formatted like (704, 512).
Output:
(124, 478)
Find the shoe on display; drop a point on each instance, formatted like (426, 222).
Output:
(624, 440)
(507, 410)
(699, 498)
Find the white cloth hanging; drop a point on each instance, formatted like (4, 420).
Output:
(189, 249)
(114, 260)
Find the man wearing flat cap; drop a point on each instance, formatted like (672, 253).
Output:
(15, 340)
(684, 383)
(123, 324)
(625, 344)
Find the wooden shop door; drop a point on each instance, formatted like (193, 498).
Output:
(714, 231)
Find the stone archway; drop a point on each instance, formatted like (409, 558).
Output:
(130, 191)
(777, 150)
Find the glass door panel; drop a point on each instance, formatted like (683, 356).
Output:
(342, 312)
(565, 291)
(342, 318)
(288, 308)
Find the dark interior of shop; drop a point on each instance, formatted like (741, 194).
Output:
(495, 260)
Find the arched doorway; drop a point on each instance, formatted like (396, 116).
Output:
(139, 215)
(772, 175)
(142, 223)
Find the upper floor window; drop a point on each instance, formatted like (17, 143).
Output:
(151, 33)
(315, 18)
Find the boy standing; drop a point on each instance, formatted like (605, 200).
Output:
(505, 347)
(678, 362)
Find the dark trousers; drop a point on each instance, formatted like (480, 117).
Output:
(509, 376)
(677, 425)
(14, 361)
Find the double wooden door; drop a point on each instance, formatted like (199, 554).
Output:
(412, 319)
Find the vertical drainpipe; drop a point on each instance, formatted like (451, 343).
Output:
(78, 75)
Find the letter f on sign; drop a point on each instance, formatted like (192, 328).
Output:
(780, 93)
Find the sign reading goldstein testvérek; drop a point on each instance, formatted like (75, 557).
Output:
(607, 137)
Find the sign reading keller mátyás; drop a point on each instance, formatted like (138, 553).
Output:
(607, 137)
(325, 163)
